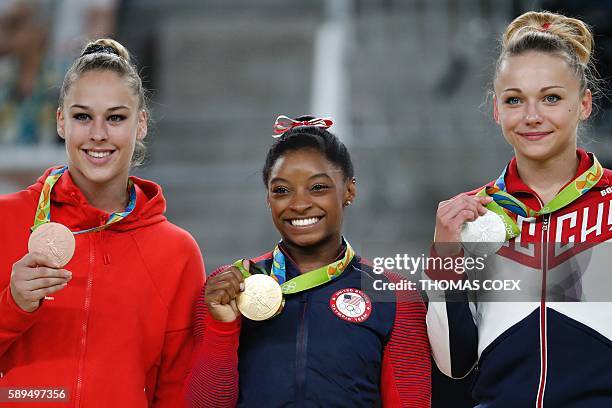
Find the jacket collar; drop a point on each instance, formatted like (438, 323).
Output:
(70, 207)
(514, 184)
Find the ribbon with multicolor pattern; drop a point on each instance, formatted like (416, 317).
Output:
(509, 207)
(307, 280)
(43, 211)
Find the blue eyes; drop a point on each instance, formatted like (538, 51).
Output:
(551, 99)
(512, 101)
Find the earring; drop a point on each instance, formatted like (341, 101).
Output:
(348, 202)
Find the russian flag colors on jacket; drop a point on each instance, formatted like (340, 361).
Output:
(554, 350)
(331, 346)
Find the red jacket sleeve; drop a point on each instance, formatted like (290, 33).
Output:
(443, 267)
(213, 381)
(13, 321)
(406, 369)
(179, 339)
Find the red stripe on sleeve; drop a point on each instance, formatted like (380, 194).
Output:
(406, 370)
(213, 380)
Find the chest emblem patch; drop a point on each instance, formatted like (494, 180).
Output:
(351, 304)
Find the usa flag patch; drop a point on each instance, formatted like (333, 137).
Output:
(351, 304)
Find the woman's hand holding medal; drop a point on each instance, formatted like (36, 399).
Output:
(39, 274)
(451, 216)
(35, 276)
(221, 292)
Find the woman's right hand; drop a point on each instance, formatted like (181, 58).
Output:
(451, 216)
(33, 277)
(221, 291)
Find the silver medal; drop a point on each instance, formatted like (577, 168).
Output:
(485, 235)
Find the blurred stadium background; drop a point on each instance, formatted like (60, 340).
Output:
(405, 80)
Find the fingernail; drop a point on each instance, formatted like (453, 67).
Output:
(242, 286)
(69, 275)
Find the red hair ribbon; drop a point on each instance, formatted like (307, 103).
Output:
(545, 27)
(284, 123)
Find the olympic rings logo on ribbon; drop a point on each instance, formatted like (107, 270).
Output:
(289, 287)
(284, 123)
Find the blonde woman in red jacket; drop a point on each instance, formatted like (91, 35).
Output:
(96, 286)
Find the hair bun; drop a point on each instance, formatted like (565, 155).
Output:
(573, 32)
(108, 46)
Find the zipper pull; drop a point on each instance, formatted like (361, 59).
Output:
(106, 259)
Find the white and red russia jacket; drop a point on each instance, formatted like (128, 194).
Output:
(553, 349)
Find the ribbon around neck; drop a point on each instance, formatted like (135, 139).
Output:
(306, 280)
(43, 211)
(509, 207)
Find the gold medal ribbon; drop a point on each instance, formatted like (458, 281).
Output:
(304, 281)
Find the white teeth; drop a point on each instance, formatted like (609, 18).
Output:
(98, 155)
(304, 222)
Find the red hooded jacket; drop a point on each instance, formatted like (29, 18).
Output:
(120, 334)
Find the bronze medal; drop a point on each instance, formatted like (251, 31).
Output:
(53, 240)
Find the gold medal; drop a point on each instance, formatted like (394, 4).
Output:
(261, 299)
(53, 240)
